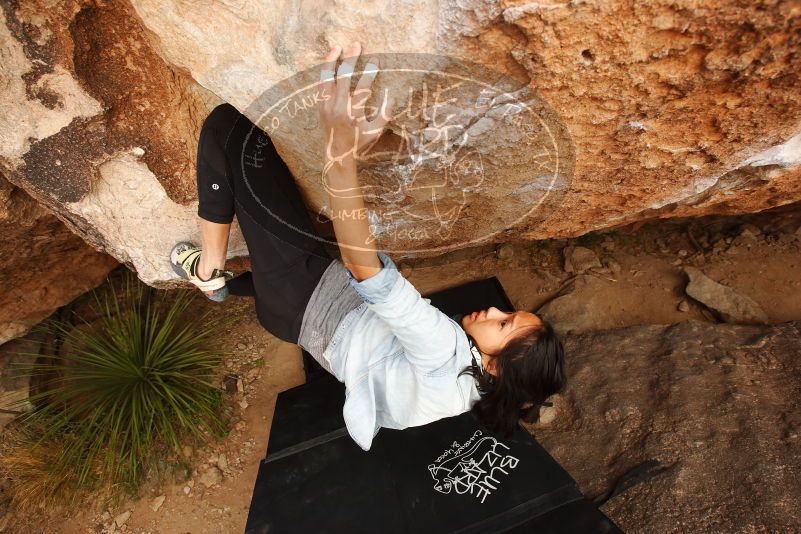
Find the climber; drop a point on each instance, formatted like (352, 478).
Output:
(404, 363)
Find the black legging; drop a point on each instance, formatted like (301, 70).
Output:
(242, 285)
(240, 173)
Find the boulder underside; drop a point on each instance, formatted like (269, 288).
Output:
(672, 109)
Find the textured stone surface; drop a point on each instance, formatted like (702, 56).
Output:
(112, 152)
(580, 259)
(675, 108)
(576, 307)
(732, 306)
(708, 409)
(43, 265)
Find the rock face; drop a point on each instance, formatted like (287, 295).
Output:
(732, 307)
(43, 265)
(708, 411)
(672, 109)
(99, 129)
(575, 308)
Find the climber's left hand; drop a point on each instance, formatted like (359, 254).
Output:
(345, 126)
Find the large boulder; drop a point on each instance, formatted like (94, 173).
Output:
(661, 110)
(98, 128)
(686, 428)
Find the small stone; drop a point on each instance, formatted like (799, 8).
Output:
(222, 462)
(612, 265)
(157, 502)
(682, 253)
(750, 230)
(253, 374)
(191, 484)
(240, 426)
(187, 451)
(505, 252)
(241, 346)
(230, 383)
(683, 306)
(106, 516)
(243, 404)
(676, 262)
(240, 386)
(138, 151)
(741, 241)
(580, 259)
(732, 306)
(122, 518)
(187, 489)
(211, 476)
(547, 415)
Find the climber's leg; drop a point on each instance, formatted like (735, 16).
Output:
(215, 196)
(286, 254)
(242, 285)
(204, 265)
(214, 242)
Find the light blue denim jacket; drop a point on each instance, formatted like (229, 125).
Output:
(399, 358)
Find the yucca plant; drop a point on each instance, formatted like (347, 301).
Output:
(125, 391)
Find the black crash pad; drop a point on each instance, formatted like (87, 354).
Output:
(451, 475)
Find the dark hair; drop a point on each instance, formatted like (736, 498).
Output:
(530, 368)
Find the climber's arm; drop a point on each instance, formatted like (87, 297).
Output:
(347, 132)
(349, 216)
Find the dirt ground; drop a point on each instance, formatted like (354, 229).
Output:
(647, 288)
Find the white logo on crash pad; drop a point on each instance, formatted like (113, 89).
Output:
(215, 186)
(473, 467)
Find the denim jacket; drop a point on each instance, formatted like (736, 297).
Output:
(399, 358)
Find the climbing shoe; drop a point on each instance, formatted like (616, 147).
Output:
(185, 258)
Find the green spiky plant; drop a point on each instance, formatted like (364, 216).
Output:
(128, 390)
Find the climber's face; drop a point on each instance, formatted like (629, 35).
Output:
(492, 329)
